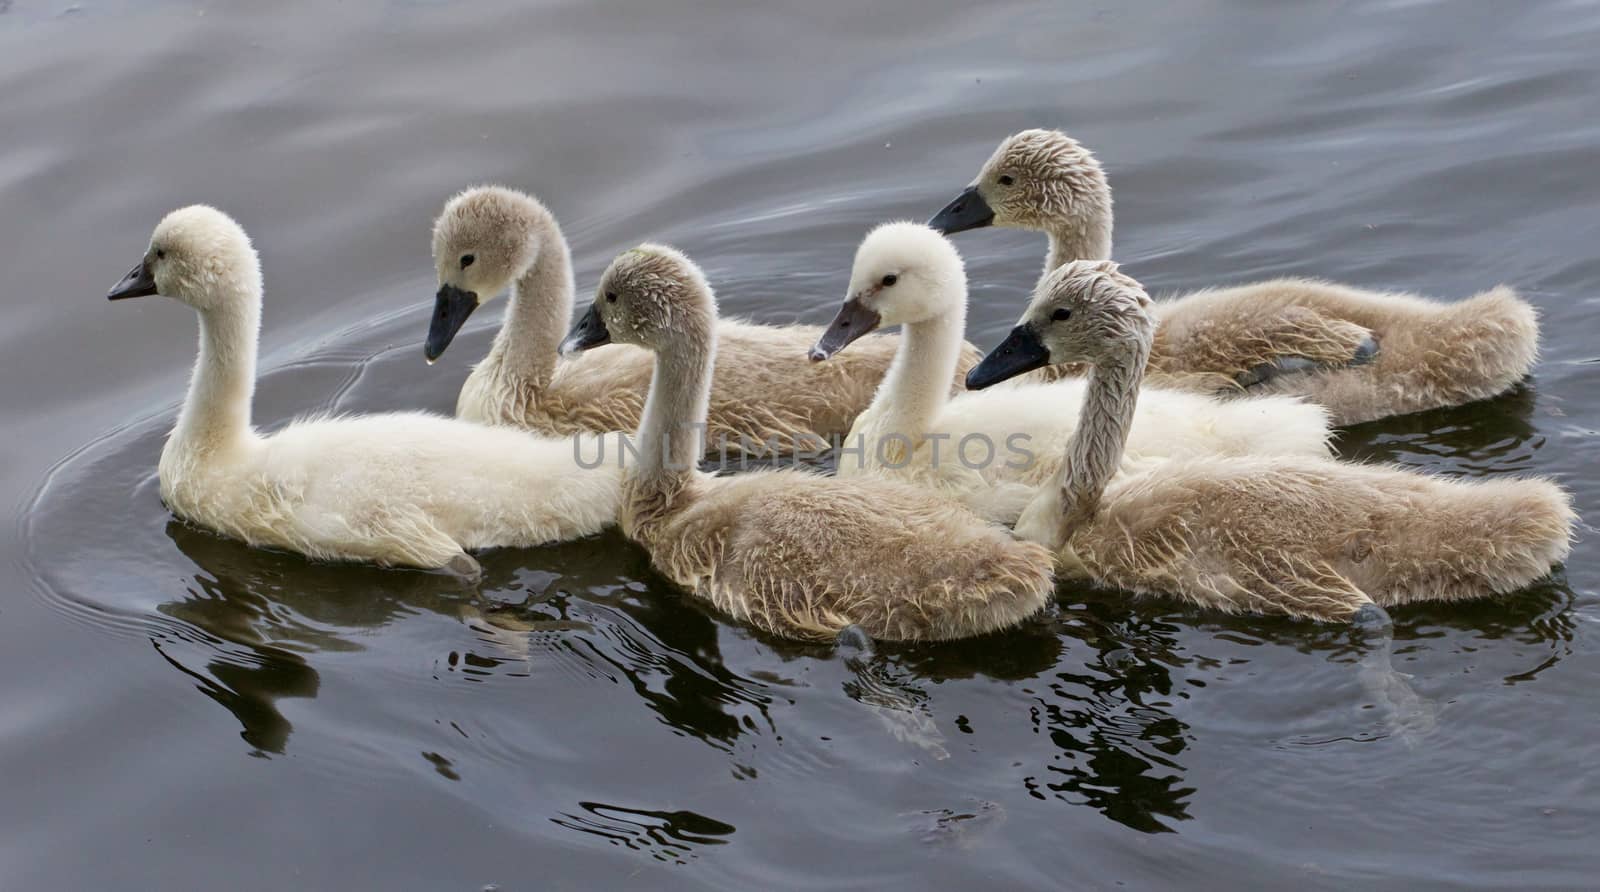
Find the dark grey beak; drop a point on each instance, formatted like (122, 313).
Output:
(139, 282)
(590, 332)
(451, 307)
(968, 211)
(1020, 352)
(853, 320)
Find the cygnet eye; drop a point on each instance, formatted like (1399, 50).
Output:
(611, 297)
(467, 260)
(1005, 179)
(890, 279)
(161, 253)
(1061, 314)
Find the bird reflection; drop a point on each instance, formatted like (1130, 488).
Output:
(1107, 715)
(664, 644)
(1490, 436)
(1099, 669)
(1102, 705)
(1541, 615)
(669, 836)
(263, 615)
(249, 686)
(890, 680)
(255, 616)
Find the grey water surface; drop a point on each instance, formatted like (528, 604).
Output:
(178, 711)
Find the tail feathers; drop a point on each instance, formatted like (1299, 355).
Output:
(1491, 537)
(1434, 356)
(1482, 346)
(1019, 580)
(1536, 520)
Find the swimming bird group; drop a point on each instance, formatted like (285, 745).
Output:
(1174, 448)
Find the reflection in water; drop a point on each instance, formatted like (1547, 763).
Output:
(664, 835)
(1107, 707)
(1119, 746)
(1544, 617)
(896, 700)
(1406, 715)
(961, 829)
(259, 615)
(1116, 742)
(667, 651)
(888, 678)
(249, 686)
(442, 765)
(262, 614)
(1488, 437)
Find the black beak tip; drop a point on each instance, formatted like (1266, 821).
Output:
(590, 332)
(1021, 352)
(967, 211)
(139, 282)
(853, 321)
(451, 308)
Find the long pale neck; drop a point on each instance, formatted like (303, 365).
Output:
(917, 385)
(670, 440)
(216, 413)
(1084, 237)
(1095, 450)
(539, 312)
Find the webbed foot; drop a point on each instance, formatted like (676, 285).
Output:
(1365, 352)
(1372, 619)
(854, 638)
(1404, 714)
(464, 567)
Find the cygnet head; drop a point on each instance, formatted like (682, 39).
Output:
(653, 297)
(1084, 311)
(485, 239)
(1036, 179)
(904, 273)
(200, 256)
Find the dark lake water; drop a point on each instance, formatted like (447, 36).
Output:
(183, 712)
